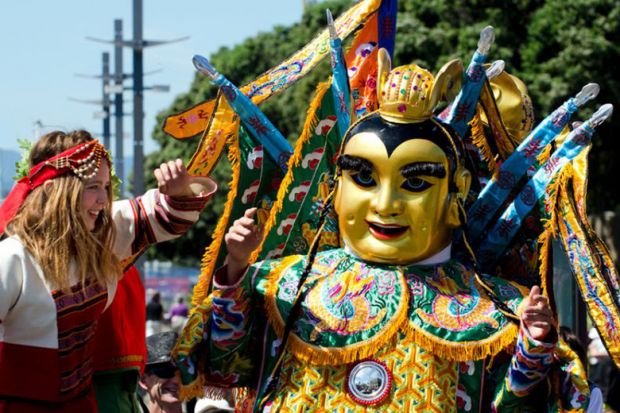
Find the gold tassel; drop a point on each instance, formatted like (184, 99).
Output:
(211, 252)
(544, 241)
(504, 339)
(550, 224)
(480, 140)
(308, 131)
(193, 390)
(551, 200)
(544, 155)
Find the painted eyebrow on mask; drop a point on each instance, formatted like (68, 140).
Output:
(353, 163)
(423, 168)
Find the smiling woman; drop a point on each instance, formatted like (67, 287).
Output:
(95, 196)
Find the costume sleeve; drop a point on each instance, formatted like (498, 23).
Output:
(11, 280)
(233, 348)
(222, 340)
(155, 217)
(528, 367)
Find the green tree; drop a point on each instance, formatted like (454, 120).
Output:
(556, 47)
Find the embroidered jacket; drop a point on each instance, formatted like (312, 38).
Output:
(443, 342)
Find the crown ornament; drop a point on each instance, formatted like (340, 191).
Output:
(410, 94)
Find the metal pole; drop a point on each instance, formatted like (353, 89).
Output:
(138, 108)
(106, 99)
(118, 102)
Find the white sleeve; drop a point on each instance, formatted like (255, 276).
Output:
(155, 217)
(11, 277)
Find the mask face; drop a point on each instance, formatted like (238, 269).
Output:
(392, 209)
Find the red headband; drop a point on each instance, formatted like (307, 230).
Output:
(83, 160)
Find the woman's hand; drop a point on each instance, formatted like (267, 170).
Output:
(243, 237)
(537, 317)
(173, 179)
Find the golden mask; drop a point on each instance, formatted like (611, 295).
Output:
(401, 179)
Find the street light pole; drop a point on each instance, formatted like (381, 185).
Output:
(118, 102)
(138, 103)
(104, 102)
(138, 45)
(105, 75)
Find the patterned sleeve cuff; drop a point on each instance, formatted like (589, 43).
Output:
(219, 278)
(529, 365)
(531, 346)
(202, 187)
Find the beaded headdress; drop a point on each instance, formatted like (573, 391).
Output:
(83, 160)
(410, 94)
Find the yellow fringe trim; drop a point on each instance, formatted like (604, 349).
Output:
(580, 181)
(544, 155)
(553, 192)
(544, 242)
(328, 356)
(211, 252)
(195, 389)
(504, 339)
(550, 225)
(480, 140)
(308, 131)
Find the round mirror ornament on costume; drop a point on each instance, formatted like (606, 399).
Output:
(369, 382)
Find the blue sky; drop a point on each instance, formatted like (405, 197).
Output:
(43, 46)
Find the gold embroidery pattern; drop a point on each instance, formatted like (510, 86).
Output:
(422, 382)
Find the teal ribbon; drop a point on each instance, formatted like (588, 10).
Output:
(462, 110)
(509, 223)
(259, 126)
(495, 193)
(340, 86)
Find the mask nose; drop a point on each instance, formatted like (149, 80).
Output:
(386, 202)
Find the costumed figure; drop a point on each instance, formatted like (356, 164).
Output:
(413, 273)
(59, 266)
(395, 320)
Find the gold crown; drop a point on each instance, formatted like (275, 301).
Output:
(514, 105)
(410, 94)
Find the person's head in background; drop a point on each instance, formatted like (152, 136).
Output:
(208, 405)
(68, 217)
(156, 297)
(159, 380)
(574, 343)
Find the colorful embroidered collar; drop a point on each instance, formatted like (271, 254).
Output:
(351, 308)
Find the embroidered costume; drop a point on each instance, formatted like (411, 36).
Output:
(432, 328)
(49, 331)
(410, 294)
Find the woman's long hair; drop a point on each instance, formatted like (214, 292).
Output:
(50, 224)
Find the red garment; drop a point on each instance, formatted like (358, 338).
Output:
(57, 378)
(120, 342)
